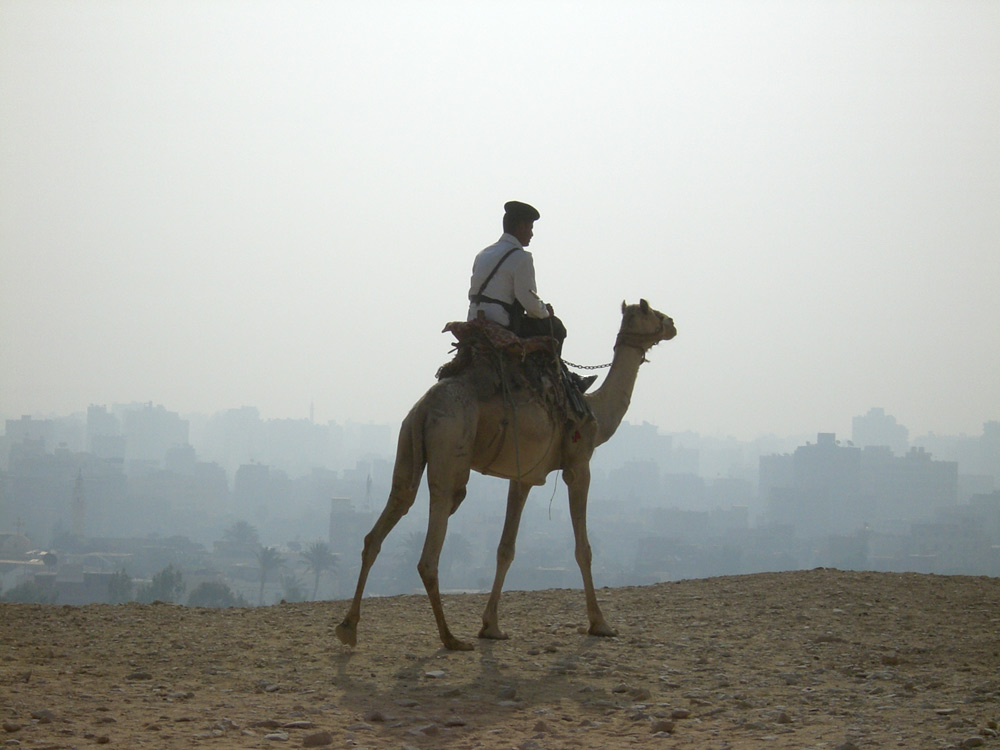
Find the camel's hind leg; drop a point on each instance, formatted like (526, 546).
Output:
(399, 503)
(578, 482)
(404, 491)
(517, 493)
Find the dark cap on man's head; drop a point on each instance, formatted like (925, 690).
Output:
(520, 211)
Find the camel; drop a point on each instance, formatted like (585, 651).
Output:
(456, 427)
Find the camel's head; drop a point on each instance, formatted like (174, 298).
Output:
(643, 327)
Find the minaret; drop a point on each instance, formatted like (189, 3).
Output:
(78, 510)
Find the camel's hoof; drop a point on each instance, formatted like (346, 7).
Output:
(602, 629)
(453, 644)
(493, 633)
(347, 633)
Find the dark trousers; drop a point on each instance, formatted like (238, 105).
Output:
(550, 326)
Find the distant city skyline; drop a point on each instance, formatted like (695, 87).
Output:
(140, 437)
(142, 486)
(899, 424)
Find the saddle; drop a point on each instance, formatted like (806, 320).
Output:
(505, 363)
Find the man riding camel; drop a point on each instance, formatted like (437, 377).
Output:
(503, 284)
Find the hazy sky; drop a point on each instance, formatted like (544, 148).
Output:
(215, 204)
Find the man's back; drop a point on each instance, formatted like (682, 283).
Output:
(513, 281)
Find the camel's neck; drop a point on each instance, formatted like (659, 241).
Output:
(610, 402)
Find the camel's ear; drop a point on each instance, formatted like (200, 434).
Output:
(623, 307)
(644, 306)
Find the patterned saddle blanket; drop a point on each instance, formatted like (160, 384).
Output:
(506, 363)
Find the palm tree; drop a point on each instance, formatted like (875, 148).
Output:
(268, 559)
(318, 558)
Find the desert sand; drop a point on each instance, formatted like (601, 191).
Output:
(809, 659)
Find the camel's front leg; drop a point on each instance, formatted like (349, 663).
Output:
(578, 482)
(517, 493)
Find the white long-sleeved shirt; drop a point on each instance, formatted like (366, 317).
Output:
(514, 280)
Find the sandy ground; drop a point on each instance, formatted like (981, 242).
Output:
(817, 659)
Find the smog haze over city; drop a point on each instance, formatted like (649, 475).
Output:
(208, 205)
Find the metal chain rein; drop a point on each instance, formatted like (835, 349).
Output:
(585, 367)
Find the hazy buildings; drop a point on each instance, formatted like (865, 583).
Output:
(150, 431)
(828, 488)
(876, 428)
(28, 429)
(663, 505)
(104, 438)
